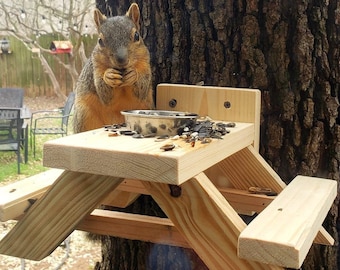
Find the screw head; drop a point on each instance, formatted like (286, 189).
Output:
(173, 103)
(227, 104)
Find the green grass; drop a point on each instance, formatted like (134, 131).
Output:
(8, 160)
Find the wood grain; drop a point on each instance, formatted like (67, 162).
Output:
(134, 227)
(122, 156)
(209, 223)
(247, 168)
(282, 234)
(54, 216)
(14, 198)
(239, 199)
(119, 198)
(244, 104)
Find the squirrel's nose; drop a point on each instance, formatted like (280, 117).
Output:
(122, 56)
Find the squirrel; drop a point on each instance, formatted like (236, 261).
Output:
(117, 76)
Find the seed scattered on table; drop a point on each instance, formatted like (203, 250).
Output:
(202, 130)
(168, 147)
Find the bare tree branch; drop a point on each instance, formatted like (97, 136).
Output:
(28, 20)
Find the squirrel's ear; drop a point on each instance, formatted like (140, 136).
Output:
(99, 18)
(134, 14)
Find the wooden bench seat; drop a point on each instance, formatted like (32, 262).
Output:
(283, 232)
(16, 197)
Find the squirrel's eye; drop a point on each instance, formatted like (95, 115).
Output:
(136, 36)
(101, 42)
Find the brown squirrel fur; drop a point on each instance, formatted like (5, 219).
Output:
(117, 76)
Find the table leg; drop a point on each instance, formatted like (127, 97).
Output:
(26, 144)
(207, 221)
(247, 168)
(54, 216)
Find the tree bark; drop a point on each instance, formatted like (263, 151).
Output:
(287, 49)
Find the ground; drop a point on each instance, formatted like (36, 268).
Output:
(43, 103)
(83, 254)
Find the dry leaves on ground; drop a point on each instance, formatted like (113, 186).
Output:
(82, 254)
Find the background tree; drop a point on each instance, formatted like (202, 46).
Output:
(27, 21)
(287, 49)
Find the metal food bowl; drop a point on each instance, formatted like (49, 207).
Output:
(158, 122)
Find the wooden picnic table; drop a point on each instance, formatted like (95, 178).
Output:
(97, 168)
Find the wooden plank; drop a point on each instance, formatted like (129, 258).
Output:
(14, 198)
(324, 238)
(119, 198)
(134, 227)
(247, 168)
(240, 200)
(245, 103)
(207, 220)
(146, 228)
(283, 233)
(125, 194)
(133, 186)
(54, 216)
(122, 156)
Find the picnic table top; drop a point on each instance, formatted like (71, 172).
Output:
(123, 156)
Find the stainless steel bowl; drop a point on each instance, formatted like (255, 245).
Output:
(158, 122)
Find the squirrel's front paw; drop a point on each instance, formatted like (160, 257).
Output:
(129, 76)
(113, 77)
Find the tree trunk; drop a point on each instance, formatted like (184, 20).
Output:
(287, 49)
